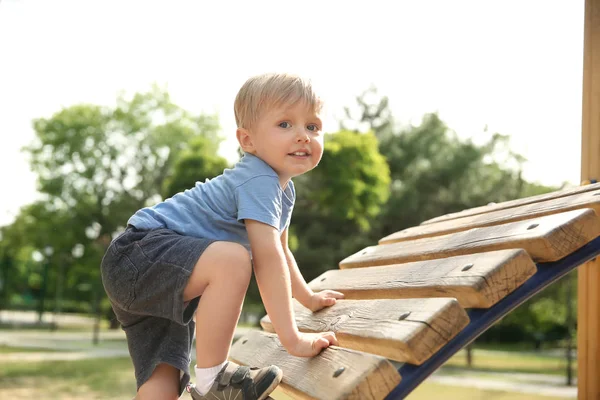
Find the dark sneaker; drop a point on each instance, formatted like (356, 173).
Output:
(233, 380)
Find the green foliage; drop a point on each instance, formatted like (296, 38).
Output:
(344, 194)
(351, 182)
(433, 173)
(96, 166)
(196, 163)
(544, 317)
(103, 163)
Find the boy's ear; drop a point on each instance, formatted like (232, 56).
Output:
(245, 140)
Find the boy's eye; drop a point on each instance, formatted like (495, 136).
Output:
(313, 127)
(284, 125)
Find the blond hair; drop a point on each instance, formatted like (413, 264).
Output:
(267, 91)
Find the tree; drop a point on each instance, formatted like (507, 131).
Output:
(434, 172)
(343, 195)
(196, 163)
(96, 166)
(103, 163)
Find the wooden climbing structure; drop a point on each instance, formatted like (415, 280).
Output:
(419, 295)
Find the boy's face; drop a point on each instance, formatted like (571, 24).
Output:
(289, 139)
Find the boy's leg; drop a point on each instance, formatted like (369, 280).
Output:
(221, 276)
(154, 280)
(162, 384)
(144, 274)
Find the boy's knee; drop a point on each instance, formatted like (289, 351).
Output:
(226, 260)
(221, 262)
(237, 264)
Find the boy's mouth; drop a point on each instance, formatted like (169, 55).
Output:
(299, 154)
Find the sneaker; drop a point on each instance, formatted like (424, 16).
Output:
(252, 383)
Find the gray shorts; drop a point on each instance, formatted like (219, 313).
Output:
(144, 274)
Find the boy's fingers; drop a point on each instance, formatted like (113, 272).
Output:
(321, 343)
(334, 294)
(330, 336)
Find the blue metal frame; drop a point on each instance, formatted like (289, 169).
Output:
(482, 319)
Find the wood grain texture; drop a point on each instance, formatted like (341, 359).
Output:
(407, 330)
(588, 317)
(548, 238)
(574, 202)
(364, 376)
(513, 203)
(491, 277)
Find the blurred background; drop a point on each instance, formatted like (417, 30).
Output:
(432, 107)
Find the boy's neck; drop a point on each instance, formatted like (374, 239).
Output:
(283, 182)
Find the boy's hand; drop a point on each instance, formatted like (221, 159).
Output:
(325, 298)
(311, 344)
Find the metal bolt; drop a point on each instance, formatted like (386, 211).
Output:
(532, 226)
(404, 316)
(467, 267)
(338, 372)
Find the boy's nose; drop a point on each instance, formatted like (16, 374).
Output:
(302, 137)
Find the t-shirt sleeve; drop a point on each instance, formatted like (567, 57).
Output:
(292, 197)
(259, 199)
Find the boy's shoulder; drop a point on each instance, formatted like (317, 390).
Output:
(252, 174)
(249, 168)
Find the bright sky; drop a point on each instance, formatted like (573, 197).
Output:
(515, 66)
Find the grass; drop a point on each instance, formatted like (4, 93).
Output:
(68, 380)
(428, 391)
(10, 349)
(488, 361)
(113, 379)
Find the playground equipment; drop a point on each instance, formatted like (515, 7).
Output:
(420, 295)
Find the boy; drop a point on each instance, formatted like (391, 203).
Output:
(195, 253)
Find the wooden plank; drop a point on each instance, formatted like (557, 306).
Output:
(548, 238)
(514, 203)
(476, 280)
(406, 330)
(336, 373)
(549, 207)
(588, 317)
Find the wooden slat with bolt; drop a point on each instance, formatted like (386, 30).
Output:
(335, 374)
(406, 330)
(575, 202)
(476, 280)
(514, 203)
(548, 238)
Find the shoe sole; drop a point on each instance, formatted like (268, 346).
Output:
(272, 386)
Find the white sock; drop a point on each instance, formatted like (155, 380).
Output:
(206, 376)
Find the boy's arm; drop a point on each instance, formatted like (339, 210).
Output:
(273, 279)
(300, 290)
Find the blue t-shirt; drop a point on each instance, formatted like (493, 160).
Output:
(217, 208)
